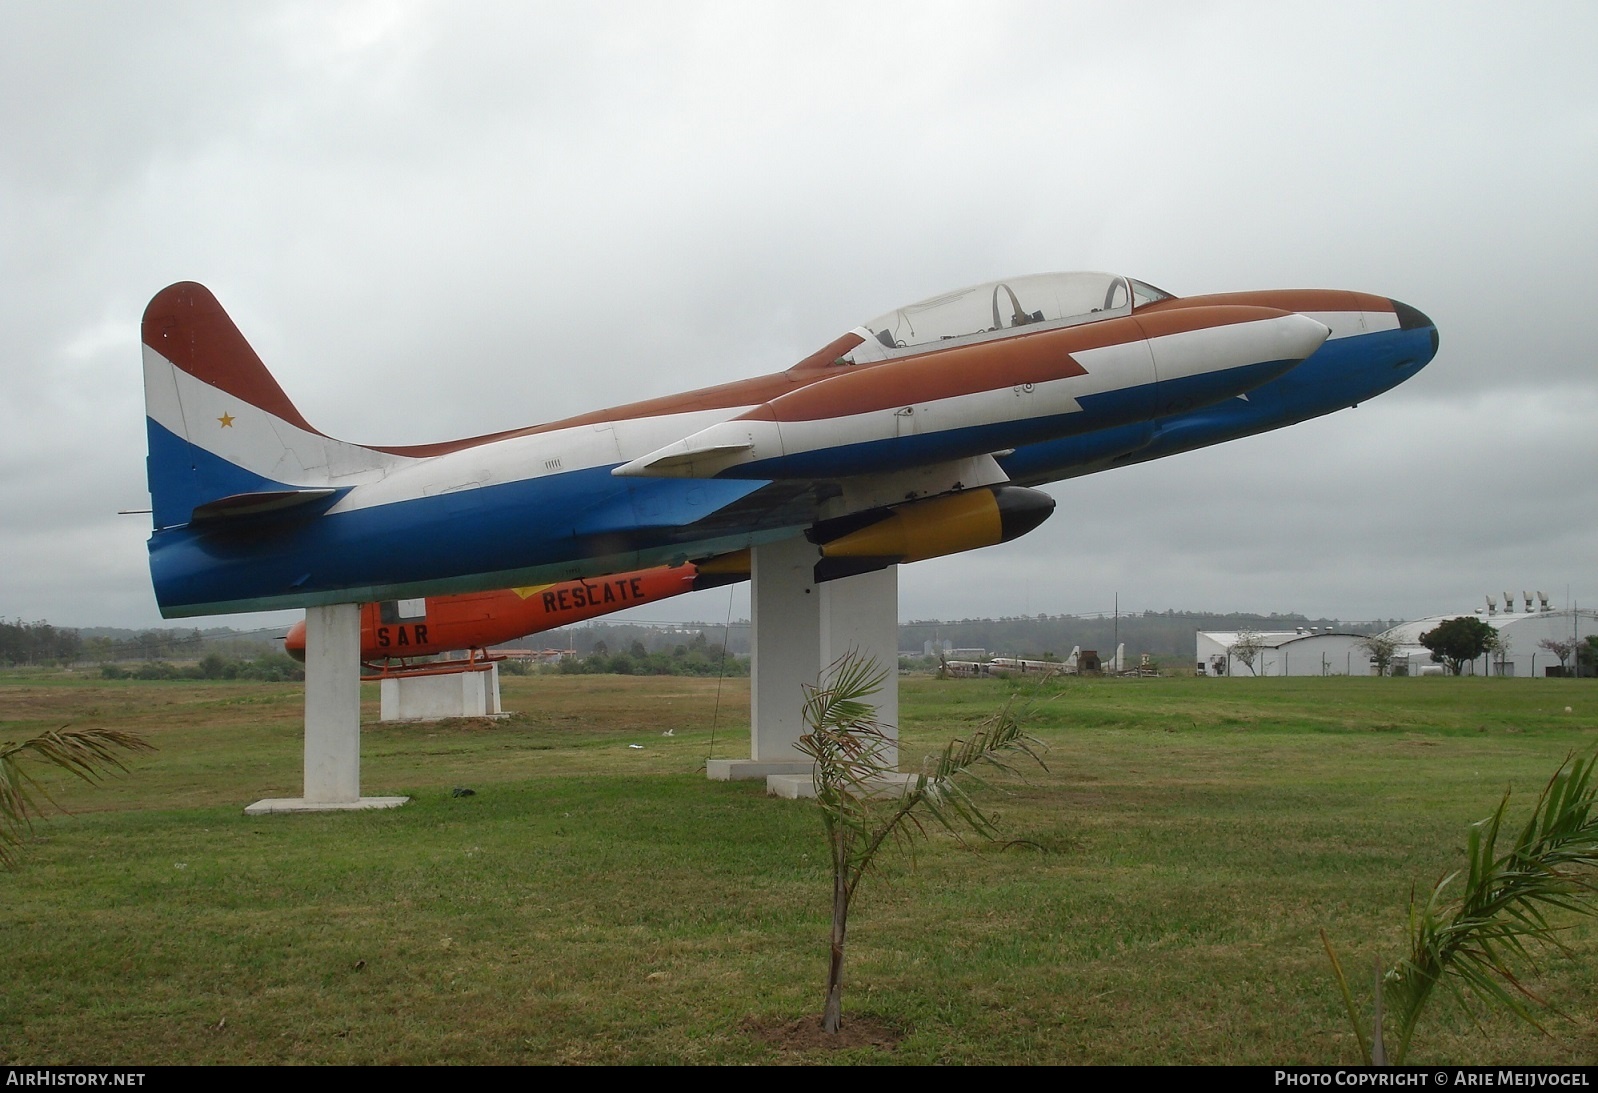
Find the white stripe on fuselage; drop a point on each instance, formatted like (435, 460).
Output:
(270, 446)
(1350, 324)
(267, 445)
(1196, 352)
(535, 455)
(737, 440)
(1121, 366)
(1001, 405)
(245, 435)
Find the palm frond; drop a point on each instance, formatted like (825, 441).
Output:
(90, 754)
(1472, 942)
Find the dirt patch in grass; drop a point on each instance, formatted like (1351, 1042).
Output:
(806, 1034)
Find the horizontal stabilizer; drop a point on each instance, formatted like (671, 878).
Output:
(255, 504)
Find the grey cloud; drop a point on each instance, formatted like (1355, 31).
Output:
(440, 221)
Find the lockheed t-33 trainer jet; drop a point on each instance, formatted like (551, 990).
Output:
(916, 434)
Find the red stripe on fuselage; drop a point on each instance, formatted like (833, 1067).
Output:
(1284, 299)
(987, 366)
(187, 326)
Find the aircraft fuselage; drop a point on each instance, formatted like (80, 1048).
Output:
(255, 509)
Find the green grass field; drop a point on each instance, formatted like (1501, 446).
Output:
(592, 902)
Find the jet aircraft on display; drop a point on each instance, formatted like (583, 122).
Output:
(916, 434)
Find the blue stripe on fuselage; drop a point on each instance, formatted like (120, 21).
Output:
(182, 476)
(1342, 372)
(1107, 410)
(446, 541)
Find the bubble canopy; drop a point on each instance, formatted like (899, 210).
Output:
(999, 307)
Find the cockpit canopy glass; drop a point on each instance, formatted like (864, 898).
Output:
(978, 312)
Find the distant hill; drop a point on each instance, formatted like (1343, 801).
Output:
(1167, 634)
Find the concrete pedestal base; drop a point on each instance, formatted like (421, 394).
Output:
(747, 770)
(795, 787)
(300, 804)
(473, 691)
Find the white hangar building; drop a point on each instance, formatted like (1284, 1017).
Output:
(1306, 651)
(1522, 633)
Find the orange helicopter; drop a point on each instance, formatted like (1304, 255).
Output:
(399, 629)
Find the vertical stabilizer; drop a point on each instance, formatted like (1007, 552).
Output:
(224, 439)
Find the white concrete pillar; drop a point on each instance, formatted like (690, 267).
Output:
(785, 640)
(861, 614)
(333, 704)
(492, 706)
(785, 613)
(332, 717)
(799, 629)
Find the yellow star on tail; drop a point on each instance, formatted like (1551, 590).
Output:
(226, 420)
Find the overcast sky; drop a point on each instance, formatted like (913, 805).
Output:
(438, 220)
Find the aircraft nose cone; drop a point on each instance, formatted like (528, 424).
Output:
(1413, 318)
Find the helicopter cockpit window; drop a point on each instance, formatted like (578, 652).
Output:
(395, 611)
(999, 307)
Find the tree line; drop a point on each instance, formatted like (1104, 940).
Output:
(696, 657)
(273, 667)
(35, 643)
